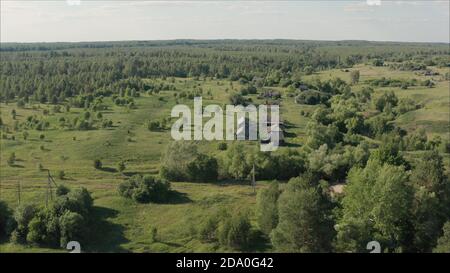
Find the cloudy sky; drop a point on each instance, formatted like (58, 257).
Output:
(87, 20)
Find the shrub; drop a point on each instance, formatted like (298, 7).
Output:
(121, 166)
(145, 189)
(203, 169)
(183, 162)
(222, 146)
(208, 229)
(266, 208)
(11, 159)
(154, 125)
(72, 227)
(153, 234)
(5, 218)
(97, 164)
(61, 174)
(235, 232)
(62, 190)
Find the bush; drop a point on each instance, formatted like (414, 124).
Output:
(64, 220)
(11, 159)
(61, 174)
(312, 97)
(97, 164)
(203, 169)
(154, 125)
(183, 162)
(266, 208)
(443, 245)
(145, 189)
(222, 146)
(5, 218)
(208, 229)
(72, 228)
(62, 190)
(235, 232)
(121, 166)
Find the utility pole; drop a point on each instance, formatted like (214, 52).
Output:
(49, 191)
(253, 179)
(18, 192)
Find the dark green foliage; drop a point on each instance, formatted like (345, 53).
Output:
(72, 227)
(303, 225)
(98, 164)
(5, 219)
(65, 220)
(22, 217)
(232, 231)
(145, 189)
(203, 169)
(235, 231)
(222, 146)
(237, 99)
(388, 99)
(312, 97)
(62, 190)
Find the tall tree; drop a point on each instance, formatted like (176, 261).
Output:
(303, 224)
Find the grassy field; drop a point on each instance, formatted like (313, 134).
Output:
(124, 225)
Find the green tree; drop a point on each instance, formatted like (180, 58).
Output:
(431, 200)
(235, 231)
(98, 164)
(236, 163)
(11, 159)
(5, 218)
(376, 206)
(72, 226)
(303, 224)
(443, 244)
(354, 76)
(266, 207)
(121, 166)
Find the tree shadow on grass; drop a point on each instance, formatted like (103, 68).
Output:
(259, 242)
(105, 236)
(232, 182)
(176, 197)
(130, 173)
(16, 166)
(292, 145)
(108, 169)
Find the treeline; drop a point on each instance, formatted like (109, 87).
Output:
(55, 72)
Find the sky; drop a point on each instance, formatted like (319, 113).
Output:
(88, 20)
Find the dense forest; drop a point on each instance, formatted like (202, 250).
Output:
(365, 157)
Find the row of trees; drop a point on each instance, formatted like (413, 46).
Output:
(66, 219)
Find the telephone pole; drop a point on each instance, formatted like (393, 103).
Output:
(18, 192)
(253, 179)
